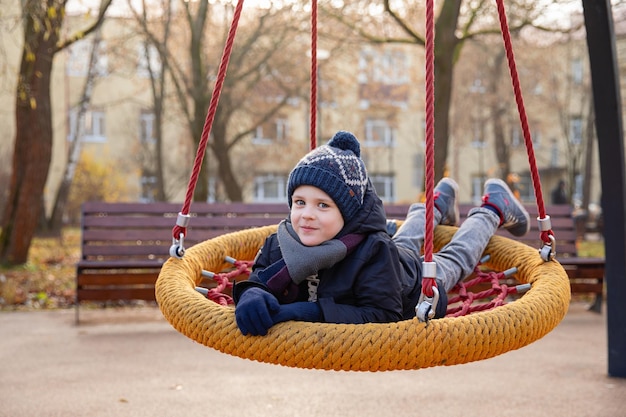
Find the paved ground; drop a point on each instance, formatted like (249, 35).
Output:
(133, 363)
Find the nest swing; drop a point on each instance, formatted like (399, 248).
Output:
(408, 344)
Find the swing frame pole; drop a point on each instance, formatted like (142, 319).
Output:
(608, 124)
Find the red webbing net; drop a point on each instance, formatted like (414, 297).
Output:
(483, 290)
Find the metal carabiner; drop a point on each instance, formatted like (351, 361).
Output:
(177, 250)
(427, 306)
(548, 250)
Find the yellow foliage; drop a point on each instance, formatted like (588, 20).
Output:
(96, 180)
(33, 103)
(52, 12)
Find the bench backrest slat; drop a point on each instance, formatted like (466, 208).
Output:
(144, 230)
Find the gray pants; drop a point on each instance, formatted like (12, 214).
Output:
(457, 259)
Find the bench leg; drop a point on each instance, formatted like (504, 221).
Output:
(596, 306)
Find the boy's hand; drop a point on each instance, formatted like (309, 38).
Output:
(301, 311)
(254, 311)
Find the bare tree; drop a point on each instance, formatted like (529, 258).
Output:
(458, 21)
(43, 21)
(154, 162)
(264, 59)
(55, 222)
(156, 33)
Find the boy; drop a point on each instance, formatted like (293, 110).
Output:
(333, 261)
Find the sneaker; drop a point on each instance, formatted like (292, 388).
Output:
(513, 215)
(445, 194)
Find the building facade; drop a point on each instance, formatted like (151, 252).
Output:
(380, 98)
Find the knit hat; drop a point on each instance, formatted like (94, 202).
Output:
(335, 168)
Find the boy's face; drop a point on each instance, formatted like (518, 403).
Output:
(314, 215)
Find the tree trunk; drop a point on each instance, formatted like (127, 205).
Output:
(445, 52)
(498, 111)
(201, 192)
(199, 93)
(224, 164)
(158, 114)
(33, 143)
(589, 146)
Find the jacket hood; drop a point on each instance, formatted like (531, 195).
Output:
(370, 219)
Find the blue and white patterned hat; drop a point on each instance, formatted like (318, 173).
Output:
(335, 168)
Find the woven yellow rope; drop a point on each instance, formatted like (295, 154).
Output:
(365, 347)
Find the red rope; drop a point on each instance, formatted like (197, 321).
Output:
(429, 282)
(506, 36)
(208, 123)
(313, 104)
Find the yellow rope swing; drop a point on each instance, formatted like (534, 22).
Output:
(409, 344)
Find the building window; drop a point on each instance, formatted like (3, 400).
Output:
(478, 133)
(378, 133)
(516, 137)
(148, 61)
(535, 135)
(577, 198)
(148, 189)
(477, 86)
(524, 188)
(383, 77)
(270, 188)
(147, 131)
(418, 169)
(282, 129)
(79, 55)
(554, 154)
(576, 130)
(212, 188)
(275, 131)
(91, 127)
(577, 71)
(384, 186)
(388, 67)
(477, 189)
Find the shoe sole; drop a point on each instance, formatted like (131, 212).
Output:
(455, 187)
(515, 201)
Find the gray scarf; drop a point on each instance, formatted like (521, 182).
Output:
(301, 261)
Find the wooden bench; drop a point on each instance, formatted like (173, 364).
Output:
(124, 244)
(586, 274)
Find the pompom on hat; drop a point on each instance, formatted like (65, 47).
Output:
(337, 169)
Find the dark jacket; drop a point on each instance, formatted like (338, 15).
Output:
(376, 283)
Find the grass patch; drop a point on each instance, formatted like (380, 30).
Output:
(591, 249)
(47, 279)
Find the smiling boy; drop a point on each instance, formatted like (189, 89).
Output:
(333, 261)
